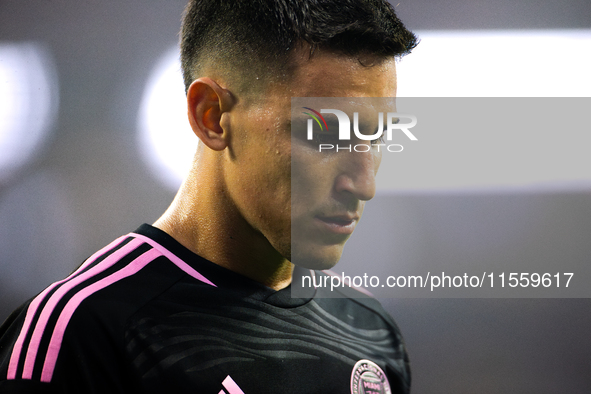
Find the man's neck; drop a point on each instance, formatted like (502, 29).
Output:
(205, 222)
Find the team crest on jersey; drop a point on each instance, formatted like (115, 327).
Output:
(368, 378)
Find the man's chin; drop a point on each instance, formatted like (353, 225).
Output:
(317, 261)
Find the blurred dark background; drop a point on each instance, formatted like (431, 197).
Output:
(87, 184)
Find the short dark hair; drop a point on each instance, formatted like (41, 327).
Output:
(258, 35)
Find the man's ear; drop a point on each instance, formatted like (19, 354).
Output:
(206, 101)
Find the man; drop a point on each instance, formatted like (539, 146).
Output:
(200, 301)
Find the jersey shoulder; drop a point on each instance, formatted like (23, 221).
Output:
(71, 335)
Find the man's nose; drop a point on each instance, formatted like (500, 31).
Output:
(358, 173)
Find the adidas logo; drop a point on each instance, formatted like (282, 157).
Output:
(230, 385)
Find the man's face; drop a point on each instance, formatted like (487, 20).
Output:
(305, 204)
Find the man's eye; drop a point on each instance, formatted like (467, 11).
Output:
(378, 140)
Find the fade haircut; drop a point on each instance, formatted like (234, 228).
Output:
(248, 38)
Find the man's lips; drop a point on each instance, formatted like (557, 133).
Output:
(339, 224)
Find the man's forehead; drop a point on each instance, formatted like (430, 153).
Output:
(366, 107)
(327, 74)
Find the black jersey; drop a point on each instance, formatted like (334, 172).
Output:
(145, 314)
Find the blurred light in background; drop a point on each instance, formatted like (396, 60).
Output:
(496, 63)
(38, 236)
(167, 141)
(491, 144)
(28, 103)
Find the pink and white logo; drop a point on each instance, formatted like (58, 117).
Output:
(368, 378)
(230, 385)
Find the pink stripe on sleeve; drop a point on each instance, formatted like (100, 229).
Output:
(32, 310)
(176, 260)
(70, 308)
(57, 296)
